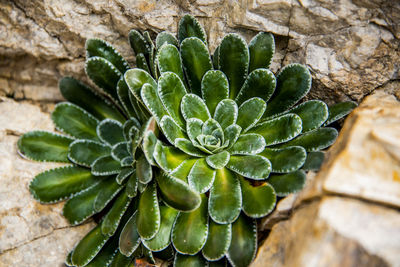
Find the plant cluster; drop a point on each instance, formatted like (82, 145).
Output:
(178, 157)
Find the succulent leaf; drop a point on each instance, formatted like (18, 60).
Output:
(339, 110)
(44, 146)
(151, 99)
(143, 170)
(120, 260)
(81, 95)
(244, 242)
(232, 133)
(214, 88)
(292, 84)
(315, 140)
(250, 112)
(248, 144)
(100, 48)
(215, 58)
(114, 215)
(190, 27)
(197, 260)
(219, 160)
(106, 194)
(75, 121)
(120, 151)
(138, 43)
(196, 62)
(57, 184)
(129, 240)
(123, 175)
(258, 201)
(288, 183)
(104, 74)
(225, 200)
(226, 113)
(85, 152)
(280, 129)
(182, 171)
(88, 247)
(189, 232)
(168, 157)
(260, 83)
(314, 161)
(261, 48)
(286, 159)
(192, 106)
(123, 97)
(136, 78)
(110, 132)
(234, 62)
(163, 237)
(187, 146)
(105, 165)
(105, 255)
(251, 166)
(141, 62)
(313, 114)
(151, 57)
(218, 241)
(201, 176)
(148, 215)
(148, 146)
(165, 38)
(169, 60)
(177, 194)
(132, 185)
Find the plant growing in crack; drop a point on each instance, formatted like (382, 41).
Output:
(181, 155)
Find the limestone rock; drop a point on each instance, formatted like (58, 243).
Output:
(31, 234)
(351, 47)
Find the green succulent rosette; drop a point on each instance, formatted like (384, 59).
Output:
(177, 158)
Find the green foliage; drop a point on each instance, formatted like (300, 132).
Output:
(181, 155)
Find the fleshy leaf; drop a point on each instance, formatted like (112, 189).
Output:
(186, 146)
(192, 106)
(218, 241)
(81, 95)
(315, 140)
(136, 78)
(226, 113)
(171, 90)
(120, 151)
(44, 146)
(243, 246)
(279, 130)
(182, 171)
(110, 132)
(286, 159)
(141, 62)
(232, 133)
(75, 121)
(148, 215)
(225, 200)
(132, 185)
(103, 74)
(143, 170)
(148, 146)
(123, 96)
(215, 58)
(339, 110)
(248, 144)
(88, 247)
(60, 183)
(313, 114)
(190, 27)
(120, 260)
(181, 260)
(106, 194)
(105, 255)
(314, 161)
(193, 128)
(251, 166)
(189, 233)
(261, 48)
(152, 101)
(165, 38)
(177, 194)
(258, 201)
(218, 161)
(201, 176)
(288, 183)
(100, 48)
(129, 239)
(123, 174)
(292, 84)
(196, 62)
(113, 217)
(168, 157)
(81, 206)
(151, 57)
(138, 43)
(214, 88)
(260, 83)
(234, 61)
(169, 60)
(105, 165)
(250, 112)
(163, 237)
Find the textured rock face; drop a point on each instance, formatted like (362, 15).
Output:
(31, 234)
(348, 215)
(351, 47)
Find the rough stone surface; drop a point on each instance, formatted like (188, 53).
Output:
(351, 47)
(348, 214)
(31, 234)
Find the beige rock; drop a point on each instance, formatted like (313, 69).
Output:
(30, 233)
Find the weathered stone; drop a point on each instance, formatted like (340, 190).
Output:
(31, 234)
(351, 47)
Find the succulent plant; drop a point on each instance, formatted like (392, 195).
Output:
(181, 155)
